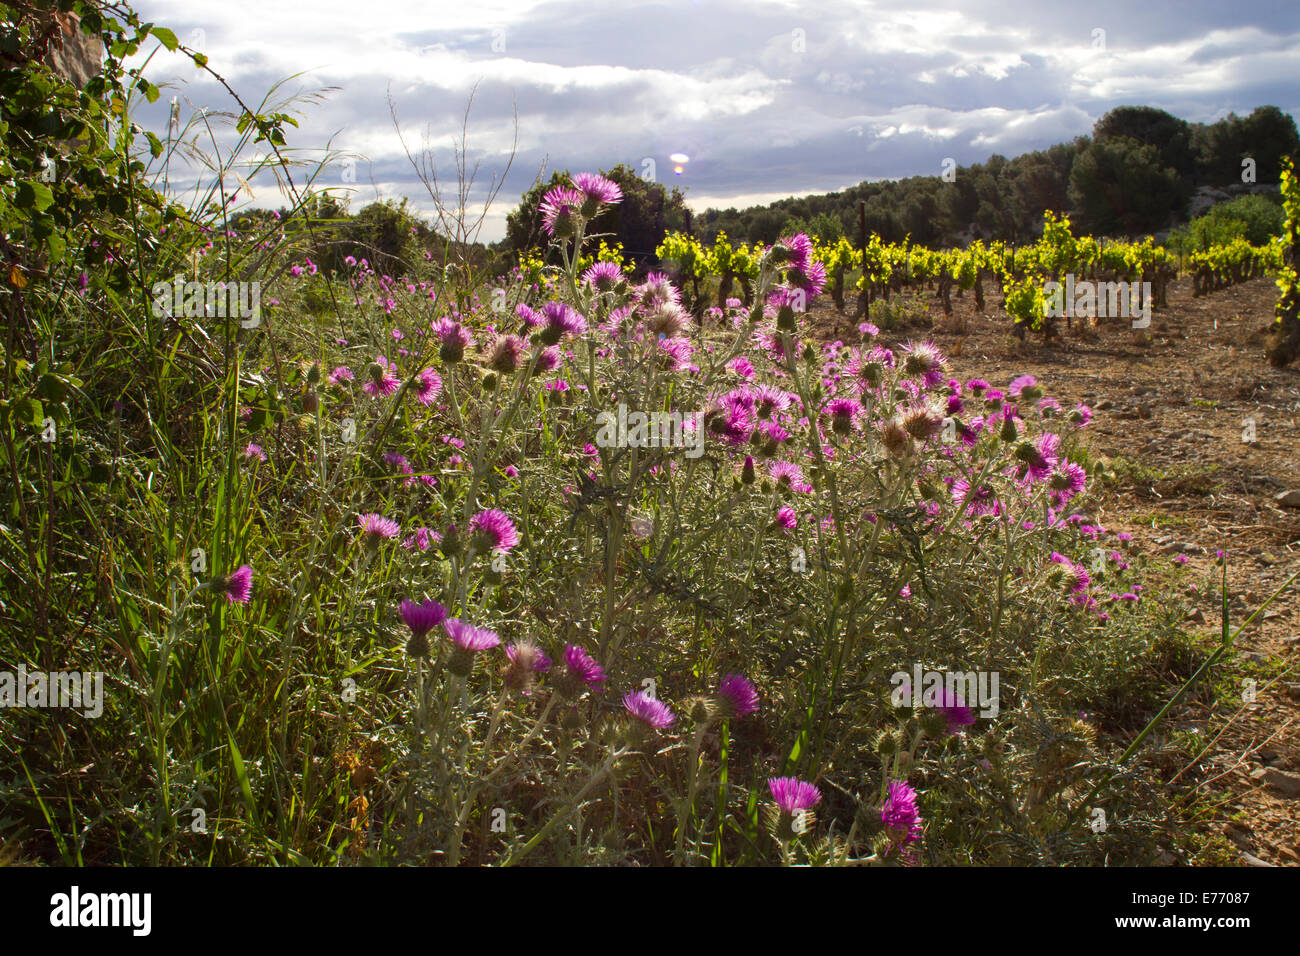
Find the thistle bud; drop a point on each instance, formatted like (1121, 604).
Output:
(418, 645)
(778, 255)
(934, 723)
(461, 661)
(787, 826)
(451, 351)
(701, 710)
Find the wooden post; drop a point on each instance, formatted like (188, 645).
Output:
(864, 298)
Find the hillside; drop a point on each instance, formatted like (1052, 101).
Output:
(1138, 173)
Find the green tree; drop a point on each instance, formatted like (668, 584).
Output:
(1120, 186)
(1171, 136)
(647, 213)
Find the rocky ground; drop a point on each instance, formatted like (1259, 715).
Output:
(1202, 437)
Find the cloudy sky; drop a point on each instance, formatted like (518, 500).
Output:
(768, 99)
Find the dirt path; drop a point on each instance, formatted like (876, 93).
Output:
(1174, 405)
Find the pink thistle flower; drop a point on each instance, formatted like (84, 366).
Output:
(603, 276)
(798, 250)
(1025, 388)
(1040, 456)
(453, 338)
(810, 279)
(420, 539)
(470, 638)
(978, 500)
(581, 673)
(793, 795)
(427, 386)
(375, 528)
(424, 617)
(773, 435)
(1077, 580)
(381, 380)
(254, 450)
(655, 714)
(421, 619)
(959, 715)
(925, 360)
(843, 413)
(1067, 480)
(788, 475)
(900, 814)
(742, 367)
(492, 530)
(526, 662)
(236, 586)
(598, 188)
(507, 354)
(558, 208)
(559, 320)
(548, 360)
(658, 287)
(769, 400)
(675, 354)
(737, 696)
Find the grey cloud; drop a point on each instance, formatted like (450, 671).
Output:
(821, 115)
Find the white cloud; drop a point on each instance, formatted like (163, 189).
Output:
(863, 91)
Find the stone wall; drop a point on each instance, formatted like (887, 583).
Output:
(72, 53)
